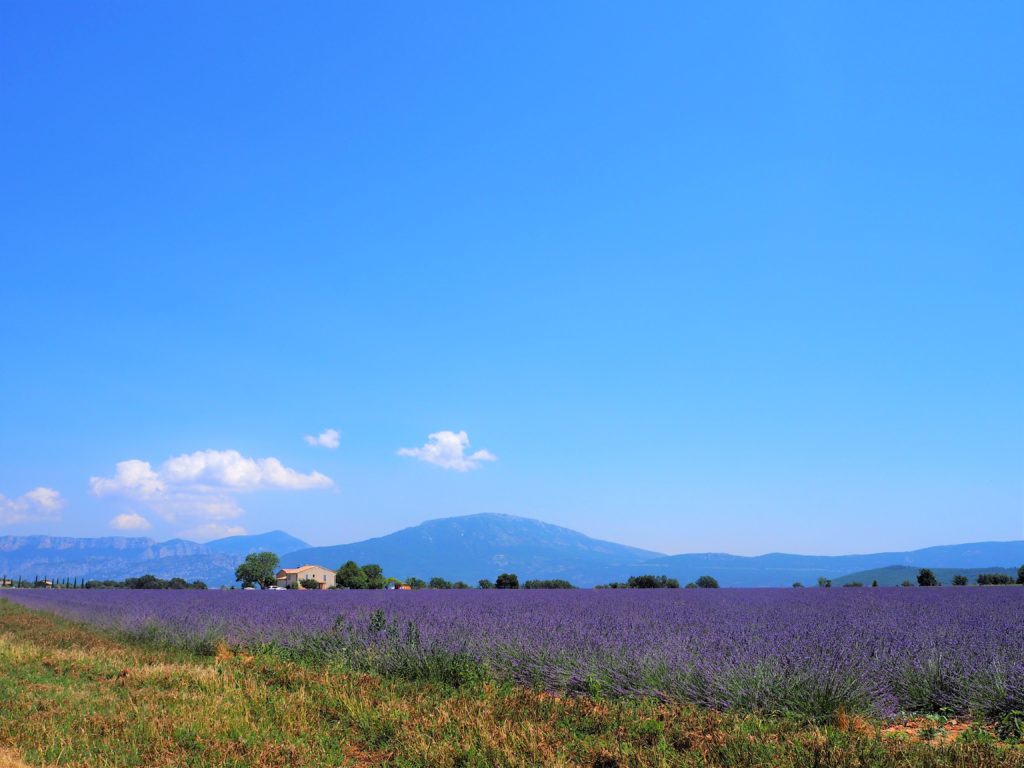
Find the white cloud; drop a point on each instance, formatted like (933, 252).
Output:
(205, 471)
(447, 450)
(37, 506)
(202, 484)
(130, 521)
(329, 438)
(134, 476)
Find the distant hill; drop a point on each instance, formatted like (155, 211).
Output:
(894, 575)
(482, 546)
(781, 570)
(117, 557)
(278, 542)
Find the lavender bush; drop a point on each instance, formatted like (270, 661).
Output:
(802, 651)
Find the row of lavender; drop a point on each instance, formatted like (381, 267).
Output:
(807, 651)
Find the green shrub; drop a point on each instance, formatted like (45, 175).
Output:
(548, 584)
(648, 581)
(987, 579)
(1011, 726)
(507, 581)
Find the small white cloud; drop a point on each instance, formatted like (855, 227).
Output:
(329, 438)
(202, 484)
(447, 450)
(132, 476)
(36, 506)
(45, 498)
(213, 531)
(130, 521)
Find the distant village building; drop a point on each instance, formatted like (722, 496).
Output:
(293, 577)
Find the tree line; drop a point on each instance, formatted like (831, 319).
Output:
(926, 578)
(260, 570)
(148, 581)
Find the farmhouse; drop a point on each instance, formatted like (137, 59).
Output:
(293, 577)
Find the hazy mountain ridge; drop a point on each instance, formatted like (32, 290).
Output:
(273, 541)
(482, 546)
(471, 548)
(117, 557)
(779, 569)
(895, 575)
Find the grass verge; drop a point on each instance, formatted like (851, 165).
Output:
(76, 696)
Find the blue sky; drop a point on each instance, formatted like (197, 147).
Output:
(727, 277)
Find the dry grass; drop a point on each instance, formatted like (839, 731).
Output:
(73, 696)
(9, 759)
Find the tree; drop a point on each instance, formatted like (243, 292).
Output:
(1020, 575)
(926, 578)
(874, 582)
(959, 580)
(485, 584)
(648, 581)
(259, 569)
(707, 582)
(415, 583)
(507, 581)
(797, 585)
(309, 583)
(824, 583)
(374, 576)
(149, 581)
(548, 584)
(354, 576)
(439, 583)
(993, 578)
(351, 576)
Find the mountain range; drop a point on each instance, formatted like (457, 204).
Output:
(482, 546)
(470, 548)
(117, 557)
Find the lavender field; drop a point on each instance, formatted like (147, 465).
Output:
(876, 651)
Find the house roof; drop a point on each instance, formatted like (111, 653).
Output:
(304, 568)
